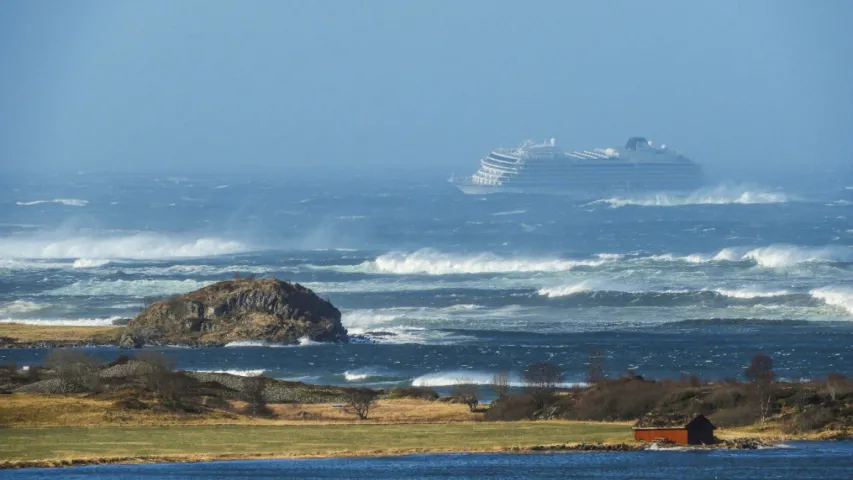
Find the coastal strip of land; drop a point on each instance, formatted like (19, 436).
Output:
(18, 335)
(59, 446)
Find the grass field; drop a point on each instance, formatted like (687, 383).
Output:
(65, 445)
(22, 333)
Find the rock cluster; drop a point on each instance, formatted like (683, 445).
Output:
(267, 309)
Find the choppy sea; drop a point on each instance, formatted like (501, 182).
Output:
(450, 287)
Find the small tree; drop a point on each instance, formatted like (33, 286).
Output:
(252, 392)
(168, 386)
(466, 392)
(500, 384)
(760, 374)
(74, 366)
(540, 380)
(595, 367)
(361, 400)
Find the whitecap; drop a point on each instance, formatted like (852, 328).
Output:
(432, 262)
(837, 296)
(130, 288)
(21, 306)
(71, 202)
(139, 246)
(238, 372)
(63, 322)
(720, 195)
(89, 263)
(746, 293)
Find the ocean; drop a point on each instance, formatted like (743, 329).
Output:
(795, 461)
(448, 287)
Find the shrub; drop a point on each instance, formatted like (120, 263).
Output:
(540, 381)
(736, 417)
(466, 393)
(418, 393)
(75, 367)
(812, 419)
(512, 407)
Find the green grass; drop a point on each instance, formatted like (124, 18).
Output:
(205, 442)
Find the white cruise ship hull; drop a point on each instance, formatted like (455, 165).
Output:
(545, 169)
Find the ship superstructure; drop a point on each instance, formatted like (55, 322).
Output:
(546, 168)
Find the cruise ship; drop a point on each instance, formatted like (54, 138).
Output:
(545, 168)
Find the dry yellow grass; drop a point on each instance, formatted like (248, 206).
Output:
(22, 333)
(34, 410)
(65, 430)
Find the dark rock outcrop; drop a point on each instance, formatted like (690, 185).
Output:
(267, 310)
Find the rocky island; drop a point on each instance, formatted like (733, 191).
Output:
(242, 309)
(267, 309)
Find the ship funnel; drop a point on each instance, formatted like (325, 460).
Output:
(553, 141)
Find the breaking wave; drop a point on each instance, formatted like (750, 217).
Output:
(238, 372)
(130, 288)
(432, 262)
(89, 263)
(139, 246)
(772, 256)
(64, 322)
(71, 202)
(721, 195)
(841, 297)
(456, 377)
(21, 306)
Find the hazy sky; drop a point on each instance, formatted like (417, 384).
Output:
(226, 85)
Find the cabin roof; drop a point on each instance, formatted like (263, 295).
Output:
(678, 422)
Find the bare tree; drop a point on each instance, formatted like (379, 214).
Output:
(466, 392)
(74, 366)
(595, 367)
(361, 400)
(500, 384)
(252, 392)
(540, 380)
(760, 374)
(833, 383)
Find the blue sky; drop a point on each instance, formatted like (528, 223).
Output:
(274, 85)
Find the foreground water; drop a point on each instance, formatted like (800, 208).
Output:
(451, 287)
(796, 460)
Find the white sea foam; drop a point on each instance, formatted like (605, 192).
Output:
(565, 290)
(433, 262)
(63, 322)
(771, 256)
(21, 306)
(130, 288)
(364, 373)
(456, 377)
(238, 372)
(89, 263)
(138, 246)
(746, 293)
(837, 296)
(720, 195)
(307, 342)
(71, 202)
(775, 256)
(510, 212)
